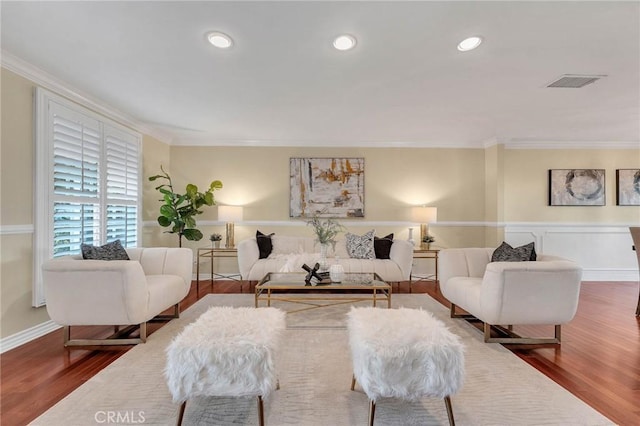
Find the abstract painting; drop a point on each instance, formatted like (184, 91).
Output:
(327, 187)
(576, 187)
(628, 187)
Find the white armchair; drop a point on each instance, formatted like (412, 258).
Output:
(116, 292)
(545, 291)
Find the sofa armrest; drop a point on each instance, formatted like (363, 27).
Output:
(248, 255)
(539, 292)
(462, 262)
(95, 292)
(402, 254)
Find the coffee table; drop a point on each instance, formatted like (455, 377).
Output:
(291, 287)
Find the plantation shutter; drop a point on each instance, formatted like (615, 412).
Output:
(123, 170)
(76, 167)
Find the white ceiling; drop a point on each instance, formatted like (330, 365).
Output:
(405, 84)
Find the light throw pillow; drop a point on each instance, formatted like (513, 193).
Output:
(382, 246)
(109, 251)
(265, 246)
(361, 246)
(506, 253)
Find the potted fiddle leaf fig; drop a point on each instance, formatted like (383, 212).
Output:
(179, 210)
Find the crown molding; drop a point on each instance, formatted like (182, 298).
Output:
(539, 144)
(204, 141)
(62, 88)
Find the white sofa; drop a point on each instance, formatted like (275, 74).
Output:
(544, 291)
(289, 253)
(116, 292)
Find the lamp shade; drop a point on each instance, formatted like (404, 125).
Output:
(425, 214)
(230, 213)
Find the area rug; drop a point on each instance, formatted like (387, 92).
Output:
(315, 378)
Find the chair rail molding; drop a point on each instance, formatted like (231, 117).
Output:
(16, 229)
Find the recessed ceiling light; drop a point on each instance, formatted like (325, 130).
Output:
(344, 42)
(220, 40)
(469, 43)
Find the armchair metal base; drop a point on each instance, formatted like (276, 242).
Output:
(508, 335)
(514, 338)
(120, 336)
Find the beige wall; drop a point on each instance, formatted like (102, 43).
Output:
(494, 193)
(467, 185)
(526, 185)
(395, 179)
(16, 206)
(154, 154)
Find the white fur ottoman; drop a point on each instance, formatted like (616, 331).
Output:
(226, 352)
(404, 353)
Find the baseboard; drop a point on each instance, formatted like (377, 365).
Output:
(28, 335)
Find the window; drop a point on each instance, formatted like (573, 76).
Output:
(87, 182)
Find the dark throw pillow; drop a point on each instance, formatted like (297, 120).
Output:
(382, 246)
(109, 251)
(264, 244)
(506, 253)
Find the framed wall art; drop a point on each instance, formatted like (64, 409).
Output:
(628, 187)
(329, 187)
(576, 187)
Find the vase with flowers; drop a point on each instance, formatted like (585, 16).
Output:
(215, 240)
(426, 242)
(326, 230)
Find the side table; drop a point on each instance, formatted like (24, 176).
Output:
(212, 253)
(419, 253)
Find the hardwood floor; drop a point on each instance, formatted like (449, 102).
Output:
(598, 361)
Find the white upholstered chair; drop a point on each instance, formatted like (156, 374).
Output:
(501, 294)
(116, 292)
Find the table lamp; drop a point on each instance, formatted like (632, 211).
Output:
(424, 216)
(230, 214)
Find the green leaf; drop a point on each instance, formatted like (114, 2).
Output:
(167, 211)
(192, 190)
(152, 178)
(190, 222)
(165, 191)
(163, 221)
(192, 234)
(208, 198)
(216, 184)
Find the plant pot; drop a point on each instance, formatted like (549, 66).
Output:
(215, 244)
(425, 246)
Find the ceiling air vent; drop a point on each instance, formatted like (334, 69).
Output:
(574, 81)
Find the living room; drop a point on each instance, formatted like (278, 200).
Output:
(488, 186)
